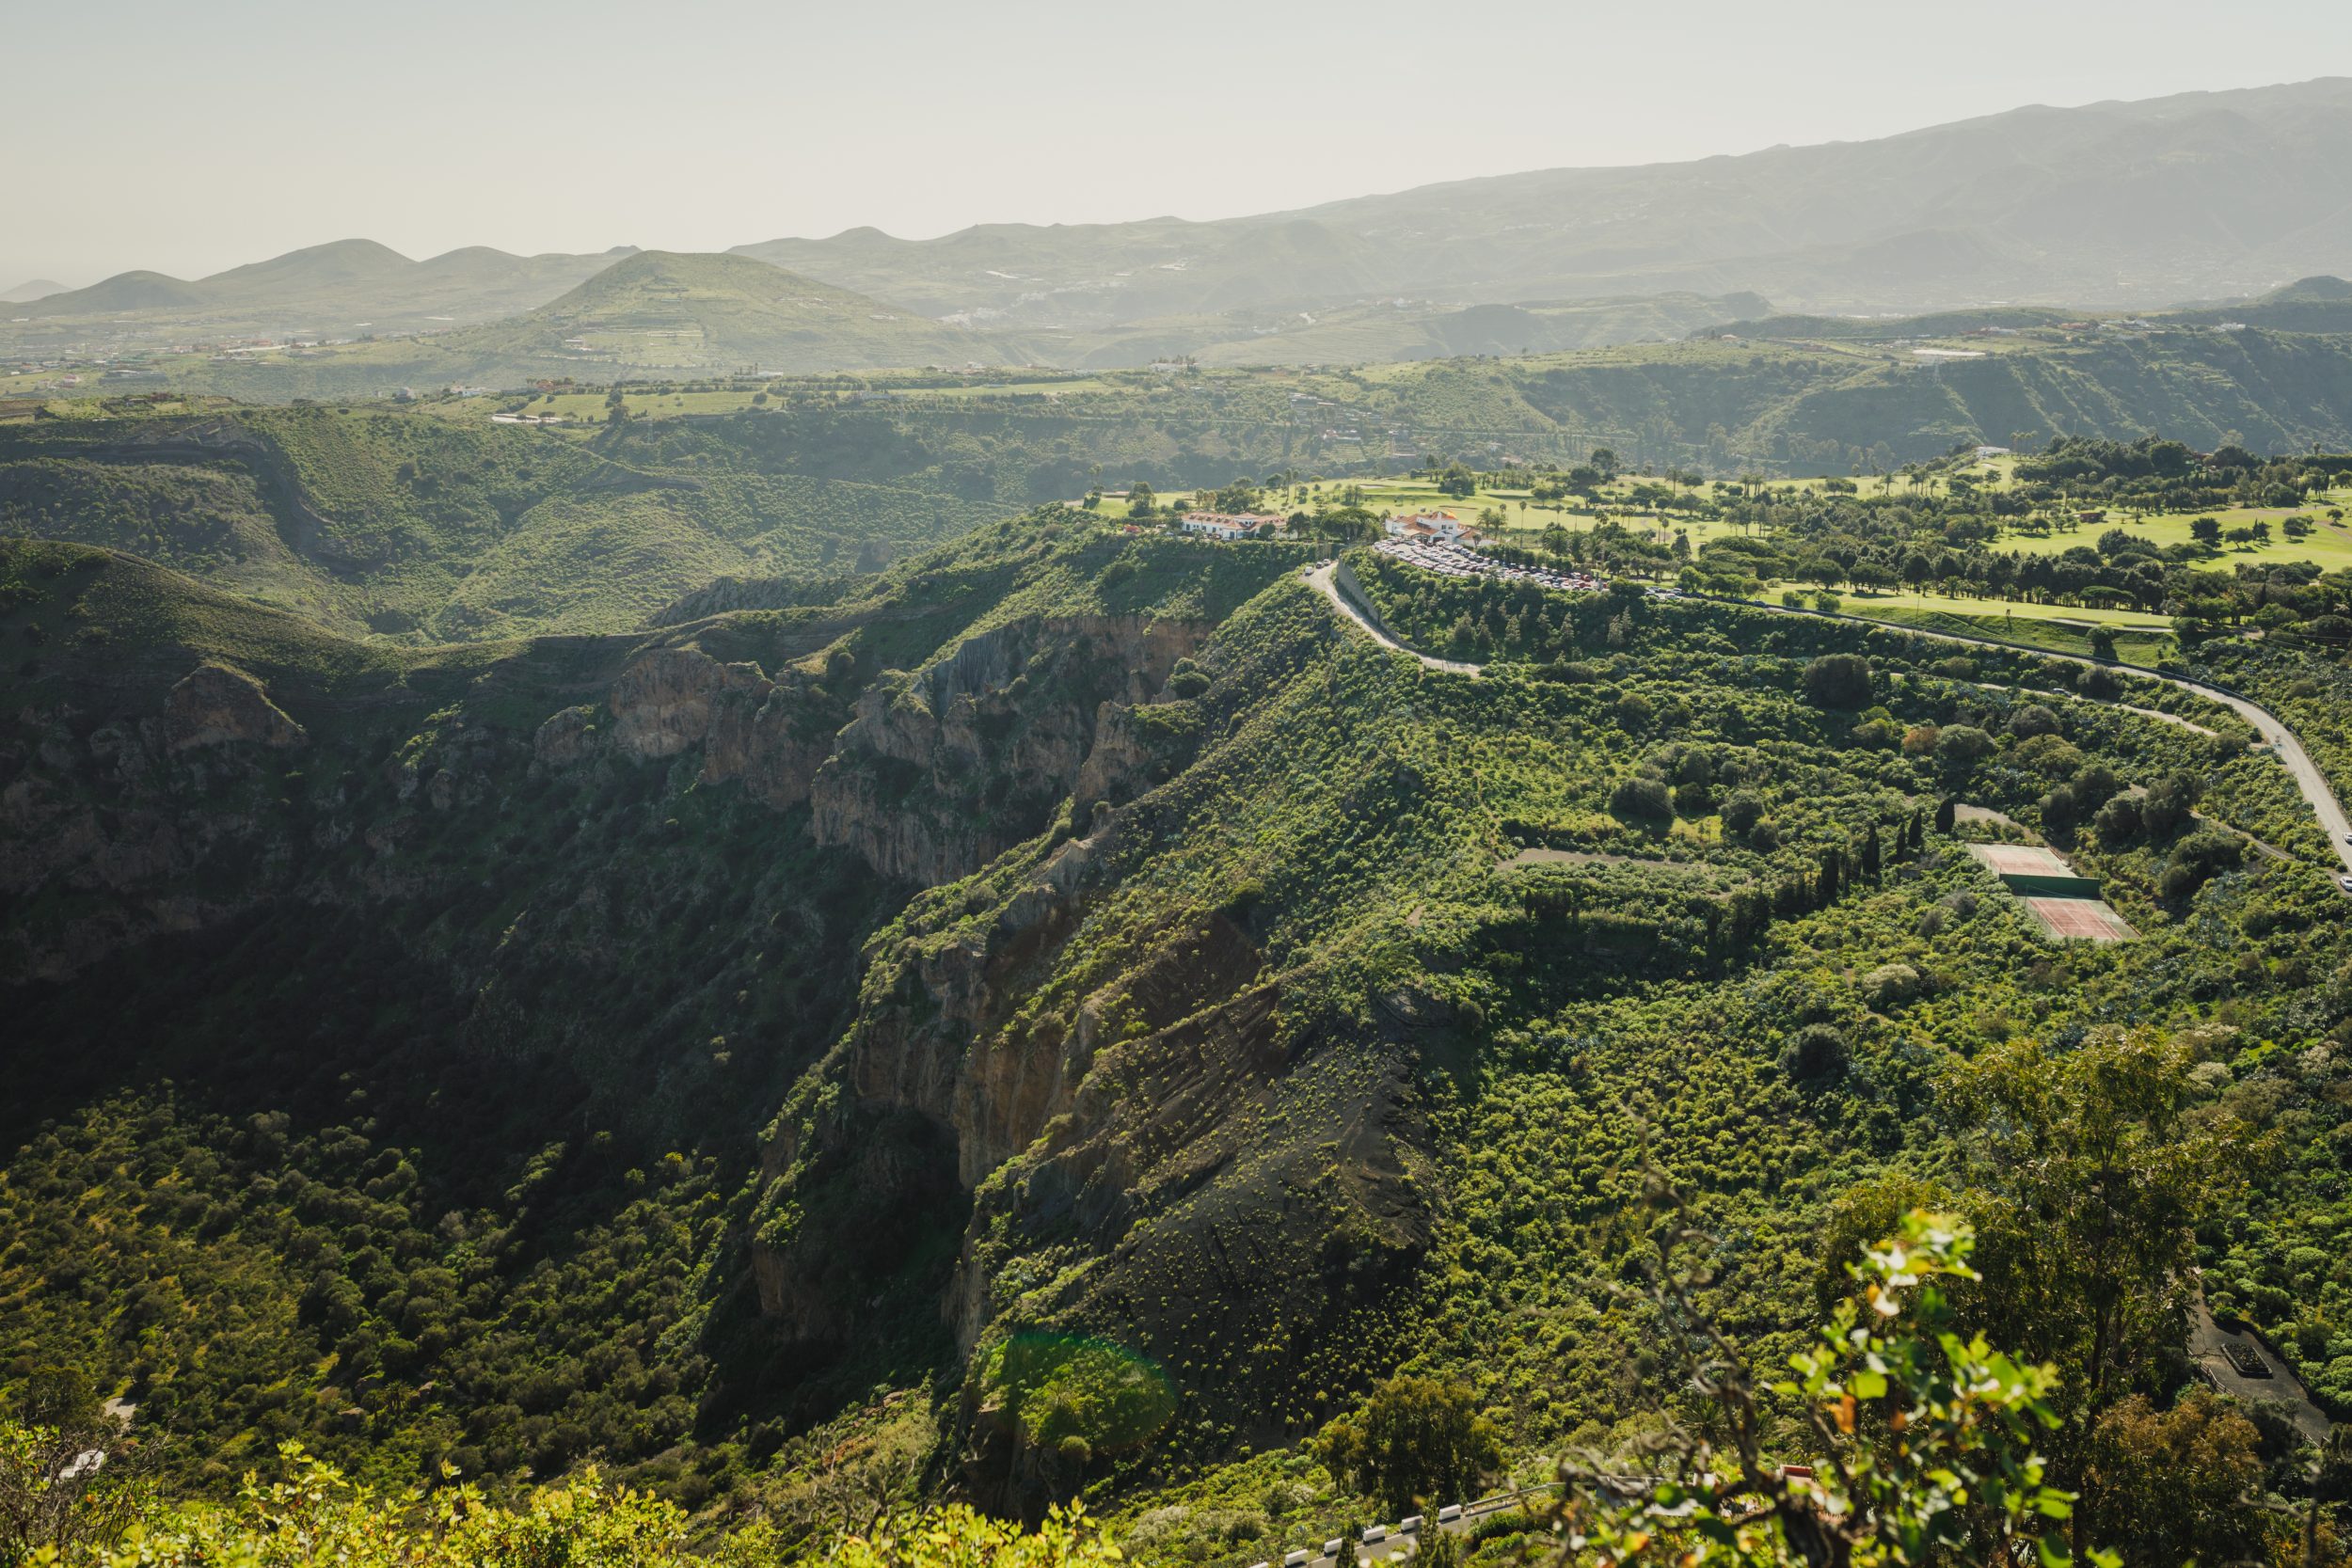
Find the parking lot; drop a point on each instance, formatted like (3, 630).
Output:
(1454, 560)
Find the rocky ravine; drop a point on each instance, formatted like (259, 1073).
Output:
(1126, 1123)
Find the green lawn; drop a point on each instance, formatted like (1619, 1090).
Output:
(1873, 603)
(2142, 645)
(2330, 544)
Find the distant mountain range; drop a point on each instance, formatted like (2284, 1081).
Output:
(348, 286)
(661, 309)
(2201, 197)
(2119, 204)
(31, 289)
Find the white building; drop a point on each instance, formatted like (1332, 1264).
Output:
(1443, 527)
(1234, 525)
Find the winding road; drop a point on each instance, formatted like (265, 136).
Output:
(1400, 1543)
(1337, 583)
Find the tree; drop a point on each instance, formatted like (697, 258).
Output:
(1415, 1441)
(71, 1479)
(1839, 681)
(1742, 809)
(1640, 798)
(2032, 719)
(2091, 1174)
(1437, 1548)
(2206, 531)
(1918, 1444)
(2168, 1486)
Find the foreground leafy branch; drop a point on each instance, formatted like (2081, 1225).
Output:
(1925, 1445)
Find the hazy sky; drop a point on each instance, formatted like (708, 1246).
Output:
(192, 137)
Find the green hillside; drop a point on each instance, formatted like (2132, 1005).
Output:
(2322, 304)
(1788, 394)
(1721, 407)
(423, 529)
(619, 1047)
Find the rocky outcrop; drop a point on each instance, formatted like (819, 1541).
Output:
(93, 821)
(770, 735)
(927, 776)
(565, 738)
(939, 773)
(663, 702)
(775, 745)
(1136, 748)
(218, 705)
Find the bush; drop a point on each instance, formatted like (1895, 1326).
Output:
(1891, 985)
(1814, 1053)
(1839, 681)
(2119, 820)
(1640, 798)
(1741, 811)
(1962, 745)
(2032, 719)
(2198, 859)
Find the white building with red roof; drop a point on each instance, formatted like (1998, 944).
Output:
(1443, 528)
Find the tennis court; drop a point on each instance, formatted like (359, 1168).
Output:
(2085, 918)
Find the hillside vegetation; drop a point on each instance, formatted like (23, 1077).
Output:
(429, 529)
(1066, 1015)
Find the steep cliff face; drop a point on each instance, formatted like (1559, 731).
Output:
(769, 734)
(1164, 1140)
(216, 706)
(663, 702)
(174, 810)
(114, 829)
(1176, 1157)
(941, 772)
(642, 872)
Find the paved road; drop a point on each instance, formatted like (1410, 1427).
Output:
(2209, 1346)
(1349, 600)
(2267, 727)
(1399, 1546)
